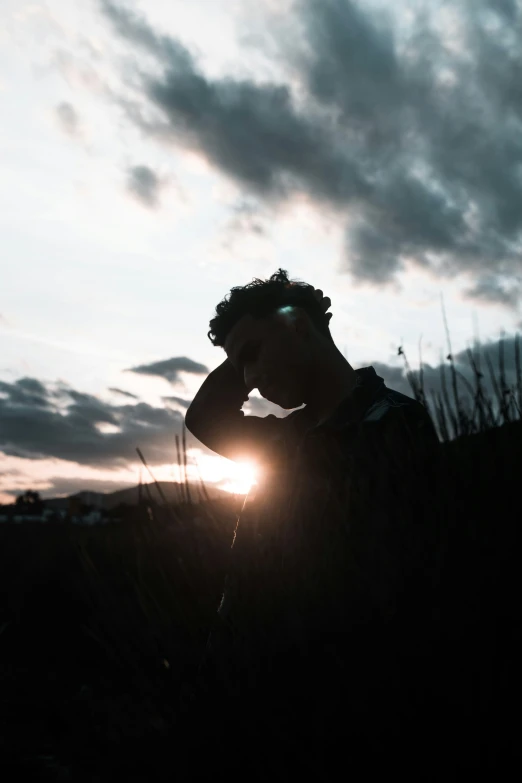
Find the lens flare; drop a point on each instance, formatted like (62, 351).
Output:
(244, 477)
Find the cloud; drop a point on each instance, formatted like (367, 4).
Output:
(38, 422)
(252, 132)
(123, 393)
(491, 290)
(258, 406)
(177, 400)
(65, 485)
(247, 217)
(145, 185)
(68, 118)
(169, 369)
(25, 391)
(10, 472)
(410, 131)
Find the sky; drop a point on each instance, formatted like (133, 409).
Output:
(154, 155)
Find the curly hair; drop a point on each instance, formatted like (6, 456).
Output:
(261, 298)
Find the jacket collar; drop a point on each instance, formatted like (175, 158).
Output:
(369, 388)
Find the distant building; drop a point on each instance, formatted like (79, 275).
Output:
(92, 518)
(28, 518)
(50, 515)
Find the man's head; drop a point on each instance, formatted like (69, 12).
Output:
(276, 335)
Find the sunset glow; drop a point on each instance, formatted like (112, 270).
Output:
(244, 476)
(234, 477)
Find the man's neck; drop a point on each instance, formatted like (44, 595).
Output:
(337, 380)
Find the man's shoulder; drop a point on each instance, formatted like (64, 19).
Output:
(296, 418)
(404, 423)
(389, 403)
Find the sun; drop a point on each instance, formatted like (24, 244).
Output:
(243, 476)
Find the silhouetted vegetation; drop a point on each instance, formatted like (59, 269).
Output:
(103, 631)
(29, 503)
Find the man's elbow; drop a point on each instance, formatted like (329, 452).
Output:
(191, 421)
(199, 426)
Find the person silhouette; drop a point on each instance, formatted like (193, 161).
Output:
(337, 551)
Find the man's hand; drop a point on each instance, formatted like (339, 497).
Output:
(324, 301)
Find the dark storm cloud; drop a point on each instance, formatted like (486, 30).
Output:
(123, 393)
(25, 391)
(144, 183)
(68, 118)
(490, 289)
(34, 425)
(253, 132)
(417, 141)
(170, 368)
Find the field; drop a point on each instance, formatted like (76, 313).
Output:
(103, 630)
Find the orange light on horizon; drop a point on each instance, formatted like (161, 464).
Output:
(244, 475)
(231, 476)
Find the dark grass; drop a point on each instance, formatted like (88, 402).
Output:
(103, 633)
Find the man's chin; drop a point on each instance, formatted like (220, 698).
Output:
(286, 403)
(283, 399)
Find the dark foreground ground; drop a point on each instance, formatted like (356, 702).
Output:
(102, 632)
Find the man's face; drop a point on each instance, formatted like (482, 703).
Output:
(272, 355)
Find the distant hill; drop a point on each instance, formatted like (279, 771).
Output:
(172, 490)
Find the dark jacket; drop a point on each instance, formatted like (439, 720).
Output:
(341, 534)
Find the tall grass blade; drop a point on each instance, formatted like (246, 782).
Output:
(457, 419)
(189, 498)
(180, 483)
(445, 397)
(518, 372)
(158, 487)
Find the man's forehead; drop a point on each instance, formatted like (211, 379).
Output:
(243, 330)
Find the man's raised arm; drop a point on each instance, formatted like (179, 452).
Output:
(216, 419)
